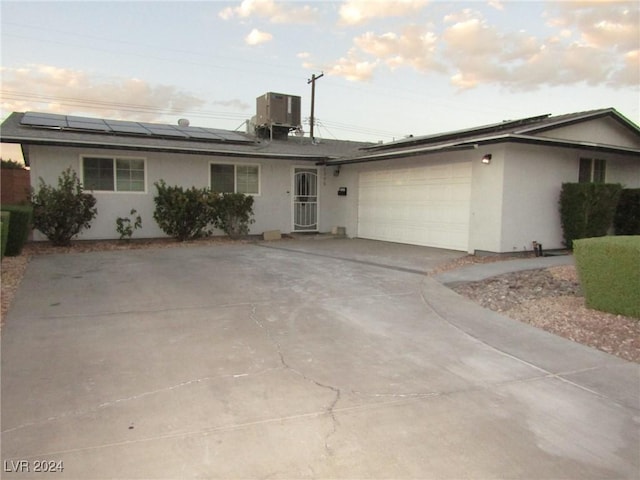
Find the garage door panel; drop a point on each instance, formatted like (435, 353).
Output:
(426, 205)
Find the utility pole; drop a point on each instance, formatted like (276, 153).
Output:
(313, 99)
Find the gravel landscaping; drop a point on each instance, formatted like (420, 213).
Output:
(548, 298)
(551, 299)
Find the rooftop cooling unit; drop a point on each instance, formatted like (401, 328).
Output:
(277, 114)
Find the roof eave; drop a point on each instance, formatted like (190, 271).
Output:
(608, 112)
(475, 143)
(26, 141)
(404, 154)
(533, 140)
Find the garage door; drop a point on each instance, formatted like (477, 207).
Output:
(426, 205)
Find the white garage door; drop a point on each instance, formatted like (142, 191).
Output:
(426, 205)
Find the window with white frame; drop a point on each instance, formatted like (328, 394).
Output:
(113, 174)
(235, 178)
(592, 170)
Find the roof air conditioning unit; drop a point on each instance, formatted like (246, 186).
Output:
(277, 114)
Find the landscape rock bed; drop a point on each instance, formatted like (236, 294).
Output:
(551, 299)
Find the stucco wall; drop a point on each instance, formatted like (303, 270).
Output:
(533, 180)
(272, 208)
(604, 130)
(486, 213)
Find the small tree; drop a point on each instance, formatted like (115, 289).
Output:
(11, 164)
(184, 214)
(124, 226)
(61, 213)
(234, 214)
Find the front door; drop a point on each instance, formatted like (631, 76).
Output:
(305, 200)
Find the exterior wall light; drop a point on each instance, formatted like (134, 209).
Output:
(486, 159)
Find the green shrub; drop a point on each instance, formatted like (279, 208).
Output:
(627, 217)
(587, 209)
(11, 164)
(4, 230)
(234, 214)
(19, 228)
(184, 214)
(61, 213)
(609, 272)
(124, 226)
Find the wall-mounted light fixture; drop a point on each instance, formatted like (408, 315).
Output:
(336, 171)
(486, 159)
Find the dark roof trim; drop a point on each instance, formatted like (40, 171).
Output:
(460, 134)
(403, 154)
(528, 125)
(551, 142)
(507, 138)
(609, 112)
(190, 151)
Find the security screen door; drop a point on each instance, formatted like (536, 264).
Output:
(305, 200)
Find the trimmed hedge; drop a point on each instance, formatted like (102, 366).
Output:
(21, 216)
(4, 230)
(609, 272)
(587, 209)
(627, 218)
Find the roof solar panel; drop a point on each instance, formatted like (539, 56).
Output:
(44, 120)
(228, 135)
(82, 124)
(120, 126)
(165, 130)
(235, 137)
(131, 128)
(75, 118)
(198, 133)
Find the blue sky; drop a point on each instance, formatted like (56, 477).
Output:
(391, 68)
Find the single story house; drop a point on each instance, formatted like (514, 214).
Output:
(493, 188)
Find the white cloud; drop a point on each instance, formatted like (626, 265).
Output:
(276, 12)
(303, 55)
(234, 103)
(600, 24)
(356, 12)
(352, 68)
(256, 37)
(61, 90)
(414, 46)
(589, 42)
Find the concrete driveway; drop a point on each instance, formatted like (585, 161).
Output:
(283, 360)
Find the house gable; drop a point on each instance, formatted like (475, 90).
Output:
(604, 131)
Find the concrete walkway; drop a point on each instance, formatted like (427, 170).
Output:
(283, 360)
(481, 271)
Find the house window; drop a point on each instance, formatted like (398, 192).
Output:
(230, 178)
(592, 170)
(113, 174)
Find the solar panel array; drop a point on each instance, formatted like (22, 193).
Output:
(87, 124)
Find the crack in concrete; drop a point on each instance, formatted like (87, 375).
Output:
(112, 403)
(330, 410)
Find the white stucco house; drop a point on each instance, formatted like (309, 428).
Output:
(493, 188)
